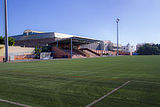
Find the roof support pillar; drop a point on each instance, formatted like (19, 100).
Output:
(57, 43)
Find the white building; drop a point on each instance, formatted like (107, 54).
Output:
(128, 48)
(109, 46)
(106, 44)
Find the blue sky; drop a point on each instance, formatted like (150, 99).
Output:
(139, 19)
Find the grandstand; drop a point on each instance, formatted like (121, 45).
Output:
(62, 45)
(72, 45)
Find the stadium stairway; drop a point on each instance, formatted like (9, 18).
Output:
(65, 53)
(90, 52)
(84, 54)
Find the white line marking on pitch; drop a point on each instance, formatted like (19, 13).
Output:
(147, 82)
(18, 104)
(96, 101)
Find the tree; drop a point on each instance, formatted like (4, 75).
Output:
(148, 49)
(11, 41)
(37, 52)
(1, 40)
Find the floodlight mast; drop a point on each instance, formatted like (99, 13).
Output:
(117, 21)
(6, 31)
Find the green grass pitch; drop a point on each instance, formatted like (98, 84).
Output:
(78, 82)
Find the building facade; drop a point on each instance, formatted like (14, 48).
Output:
(128, 48)
(37, 39)
(110, 46)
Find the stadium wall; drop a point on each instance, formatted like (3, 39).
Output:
(17, 53)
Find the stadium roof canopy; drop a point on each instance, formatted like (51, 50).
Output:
(77, 40)
(60, 37)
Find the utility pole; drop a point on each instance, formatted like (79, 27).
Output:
(117, 21)
(6, 31)
(71, 47)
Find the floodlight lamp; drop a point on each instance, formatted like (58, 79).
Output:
(117, 20)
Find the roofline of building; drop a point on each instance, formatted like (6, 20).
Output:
(69, 35)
